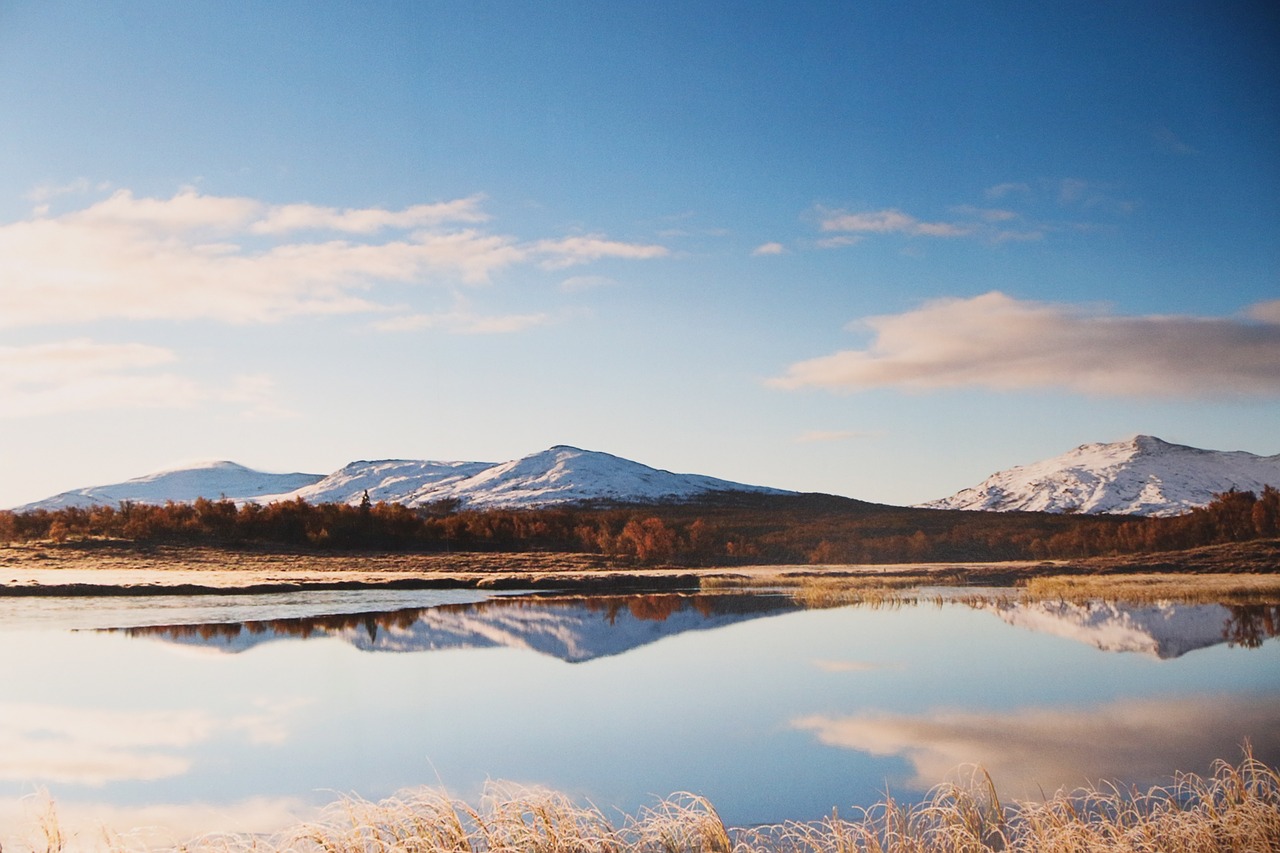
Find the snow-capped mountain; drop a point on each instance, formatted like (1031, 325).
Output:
(407, 481)
(573, 629)
(1159, 630)
(1141, 476)
(211, 480)
(559, 475)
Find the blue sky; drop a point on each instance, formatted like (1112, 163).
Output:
(873, 249)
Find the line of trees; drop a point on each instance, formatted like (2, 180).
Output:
(726, 530)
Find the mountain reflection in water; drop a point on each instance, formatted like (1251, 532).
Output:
(579, 628)
(572, 628)
(1163, 630)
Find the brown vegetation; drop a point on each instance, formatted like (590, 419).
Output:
(728, 529)
(1235, 809)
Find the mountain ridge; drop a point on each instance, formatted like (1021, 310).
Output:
(560, 475)
(1142, 475)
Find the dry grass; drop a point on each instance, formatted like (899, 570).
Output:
(828, 590)
(1237, 808)
(1152, 588)
(833, 590)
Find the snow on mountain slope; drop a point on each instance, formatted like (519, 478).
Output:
(408, 481)
(1140, 476)
(565, 474)
(211, 480)
(573, 629)
(1159, 630)
(558, 475)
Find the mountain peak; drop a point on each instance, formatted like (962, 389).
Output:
(1143, 475)
(561, 474)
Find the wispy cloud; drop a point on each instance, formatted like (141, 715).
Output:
(80, 375)
(463, 323)
(1266, 312)
(579, 283)
(769, 249)
(571, 251)
(156, 826)
(93, 746)
(992, 225)
(995, 341)
(1007, 189)
(889, 221)
(236, 259)
(1170, 141)
(1038, 750)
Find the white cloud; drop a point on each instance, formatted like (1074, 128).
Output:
(1043, 749)
(298, 217)
(49, 743)
(579, 283)
(570, 251)
(226, 258)
(1006, 189)
(769, 249)
(995, 341)
(94, 746)
(991, 225)
(1266, 312)
(890, 221)
(80, 375)
(166, 826)
(986, 214)
(463, 323)
(838, 242)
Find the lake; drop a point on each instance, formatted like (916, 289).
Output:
(188, 714)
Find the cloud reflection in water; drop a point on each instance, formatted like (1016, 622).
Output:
(1035, 751)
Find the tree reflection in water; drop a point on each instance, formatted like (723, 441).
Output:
(1250, 624)
(656, 607)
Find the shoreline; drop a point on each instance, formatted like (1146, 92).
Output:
(125, 569)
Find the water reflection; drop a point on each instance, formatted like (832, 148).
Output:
(770, 709)
(1034, 751)
(571, 628)
(579, 628)
(1162, 630)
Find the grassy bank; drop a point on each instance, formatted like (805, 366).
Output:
(1237, 808)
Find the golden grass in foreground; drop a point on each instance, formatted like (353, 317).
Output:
(1235, 809)
(1151, 588)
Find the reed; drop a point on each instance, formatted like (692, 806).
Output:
(1156, 587)
(1236, 808)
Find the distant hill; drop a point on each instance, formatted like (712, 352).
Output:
(556, 476)
(211, 480)
(1140, 476)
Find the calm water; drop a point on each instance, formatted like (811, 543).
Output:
(199, 713)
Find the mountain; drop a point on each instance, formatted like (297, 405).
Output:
(574, 629)
(1159, 630)
(1140, 476)
(562, 475)
(211, 480)
(559, 475)
(407, 481)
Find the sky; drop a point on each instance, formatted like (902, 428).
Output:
(875, 249)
